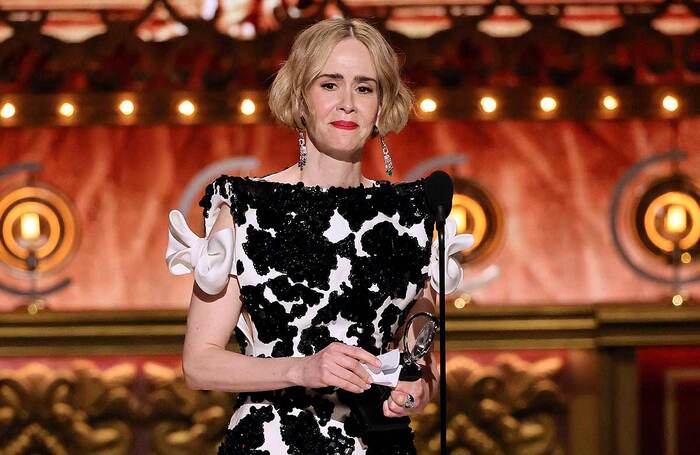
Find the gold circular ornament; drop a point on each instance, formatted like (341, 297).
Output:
(37, 222)
(476, 213)
(684, 231)
(667, 218)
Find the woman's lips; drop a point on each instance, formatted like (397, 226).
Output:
(344, 125)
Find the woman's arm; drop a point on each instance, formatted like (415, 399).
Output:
(207, 365)
(211, 319)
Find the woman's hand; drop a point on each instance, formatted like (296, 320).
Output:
(393, 406)
(337, 365)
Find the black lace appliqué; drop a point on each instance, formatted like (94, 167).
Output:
(248, 435)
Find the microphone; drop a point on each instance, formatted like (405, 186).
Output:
(438, 192)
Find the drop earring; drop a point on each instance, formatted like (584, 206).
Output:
(387, 159)
(302, 149)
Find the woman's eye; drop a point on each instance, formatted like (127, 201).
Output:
(363, 89)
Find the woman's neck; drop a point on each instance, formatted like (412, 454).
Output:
(325, 171)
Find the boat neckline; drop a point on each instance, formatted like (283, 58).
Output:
(378, 184)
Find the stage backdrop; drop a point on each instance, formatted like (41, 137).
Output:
(554, 181)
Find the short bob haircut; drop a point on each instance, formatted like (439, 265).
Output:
(309, 53)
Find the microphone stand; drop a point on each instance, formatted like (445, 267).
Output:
(440, 221)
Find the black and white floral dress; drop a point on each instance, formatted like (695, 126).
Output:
(317, 265)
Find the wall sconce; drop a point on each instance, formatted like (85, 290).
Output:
(664, 219)
(478, 214)
(39, 234)
(668, 223)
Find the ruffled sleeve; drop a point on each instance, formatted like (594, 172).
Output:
(212, 258)
(453, 270)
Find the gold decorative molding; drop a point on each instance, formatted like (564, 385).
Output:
(509, 406)
(184, 421)
(87, 333)
(78, 410)
(474, 327)
(178, 420)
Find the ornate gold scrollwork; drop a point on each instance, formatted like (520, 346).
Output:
(80, 410)
(184, 421)
(508, 407)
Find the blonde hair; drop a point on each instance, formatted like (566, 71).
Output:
(311, 48)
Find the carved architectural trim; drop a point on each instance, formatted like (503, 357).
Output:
(475, 327)
(155, 45)
(509, 405)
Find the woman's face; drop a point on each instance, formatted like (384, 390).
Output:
(344, 101)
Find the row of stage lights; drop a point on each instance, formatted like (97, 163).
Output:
(127, 107)
(487, 104)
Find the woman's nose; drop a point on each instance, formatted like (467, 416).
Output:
(346, 102)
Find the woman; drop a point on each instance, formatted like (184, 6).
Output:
(327, 264)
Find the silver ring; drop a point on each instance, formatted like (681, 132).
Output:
(410, 401)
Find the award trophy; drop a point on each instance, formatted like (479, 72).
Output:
(410, 370)
(367, 416)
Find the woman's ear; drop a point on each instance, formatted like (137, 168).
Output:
(375, 128)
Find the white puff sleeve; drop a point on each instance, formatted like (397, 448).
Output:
(453, 270)
(212, 258)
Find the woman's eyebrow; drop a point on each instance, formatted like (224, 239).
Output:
(356, 78)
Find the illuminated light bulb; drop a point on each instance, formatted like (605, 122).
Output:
(462, 301)
(675, 220)
(66, 109)
(8, 110)
(686, 258)
(127, 107)
(677, 300)
(428, 105)
(670, 103)
(610, 103)
(488, 104)
(186, 108)
(247, 107)
(29, 226)
(459, 214)
(548, 104)
(247, 30)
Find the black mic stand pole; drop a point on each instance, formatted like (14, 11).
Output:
(443, 344)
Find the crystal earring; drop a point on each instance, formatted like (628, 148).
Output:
(302, 149)
(387, 159)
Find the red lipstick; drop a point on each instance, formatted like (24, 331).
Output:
(345, 125)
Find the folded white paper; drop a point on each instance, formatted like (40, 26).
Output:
(388, 374)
